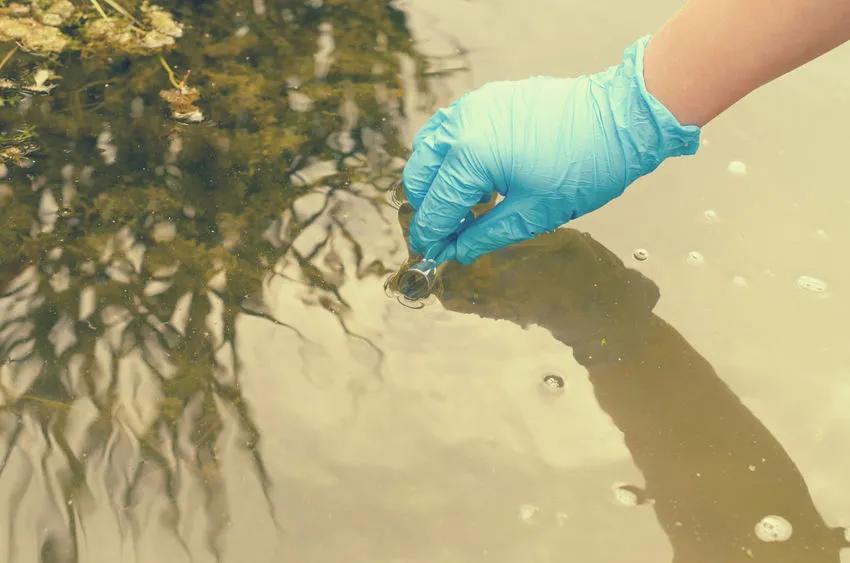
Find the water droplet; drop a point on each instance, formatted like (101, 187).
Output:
(641, 254)
(740, 281)
(812, 284)
(695, 257)
(737, 168)
(773, 528)
(527, 512)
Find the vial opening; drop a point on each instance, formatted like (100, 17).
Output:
(414, 284)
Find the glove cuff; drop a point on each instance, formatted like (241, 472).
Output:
(642, 120)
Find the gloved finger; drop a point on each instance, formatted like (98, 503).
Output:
(508, 223)
(456, 189)
(421, 169)
(430, 146)
(432, 124)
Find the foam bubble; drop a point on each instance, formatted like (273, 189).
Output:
(641, 254)
(710, 216)
(773, 528)
(737, 168)
(553, 383)
(625, 497)
(695, 257)
(812, 284)
(527, 512)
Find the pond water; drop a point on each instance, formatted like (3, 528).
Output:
(199, 360)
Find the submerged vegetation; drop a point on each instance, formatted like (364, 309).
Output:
(134, 237)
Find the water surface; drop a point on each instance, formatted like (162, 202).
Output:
(200, 363)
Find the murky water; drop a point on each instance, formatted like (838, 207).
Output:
(199, 362)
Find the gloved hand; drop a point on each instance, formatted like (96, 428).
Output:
(554, 148)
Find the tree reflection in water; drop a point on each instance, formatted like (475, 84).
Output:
(132, 243)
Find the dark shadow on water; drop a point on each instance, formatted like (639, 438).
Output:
(711, 467)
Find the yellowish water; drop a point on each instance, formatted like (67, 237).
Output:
(310, 418)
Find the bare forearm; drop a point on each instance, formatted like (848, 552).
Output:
(714, 52)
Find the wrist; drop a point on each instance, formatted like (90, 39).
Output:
(648, 131)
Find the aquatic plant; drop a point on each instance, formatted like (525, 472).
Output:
(132, 243)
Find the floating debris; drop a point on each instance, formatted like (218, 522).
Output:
(641, 254)
(181, 99)
(737, 168)
(161, 20)
(40, 83)
(182, 103)
(15, 148)
(156, 33)
(32, 35)
(812, 284)
(57, 14)
(40, 80)
(773, 528)
(123, 35)
(17, 155)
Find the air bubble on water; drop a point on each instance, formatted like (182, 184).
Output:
(710, 215)
(737, 168)
(773, 528)
(396, 195)
(553, 384)
(740, 281)
(626, 495)
(751, 467)
(695, 257)
(823, 235)
(527, 512)
(641, 254)
(812, 284)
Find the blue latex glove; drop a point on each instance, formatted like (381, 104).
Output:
(554, 148)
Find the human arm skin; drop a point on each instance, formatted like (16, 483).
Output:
(712, 53)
